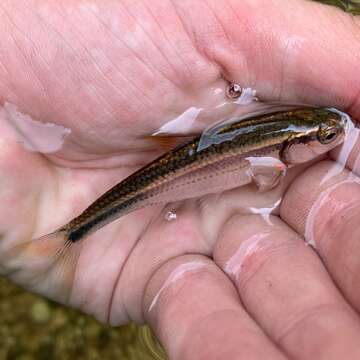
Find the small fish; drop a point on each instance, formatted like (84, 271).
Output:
(256, 149)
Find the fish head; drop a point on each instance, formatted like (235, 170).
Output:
(325, 130)
(332, 129)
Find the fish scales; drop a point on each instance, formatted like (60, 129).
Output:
(254, 136)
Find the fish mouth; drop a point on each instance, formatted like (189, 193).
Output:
(345, 122)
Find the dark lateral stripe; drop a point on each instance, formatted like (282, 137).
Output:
(101, 219)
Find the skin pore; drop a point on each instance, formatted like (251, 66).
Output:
(114, 72)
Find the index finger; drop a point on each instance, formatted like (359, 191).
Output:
(196, 313)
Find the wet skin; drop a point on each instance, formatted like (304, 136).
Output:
(111, 87)
(187, 172)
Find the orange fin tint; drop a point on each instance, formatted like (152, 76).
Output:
(48, 262)
(169, 142)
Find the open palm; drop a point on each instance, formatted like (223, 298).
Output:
(114, 74)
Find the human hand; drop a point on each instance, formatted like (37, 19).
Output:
(220, 283)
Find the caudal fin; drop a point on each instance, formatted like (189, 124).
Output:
(46, 264)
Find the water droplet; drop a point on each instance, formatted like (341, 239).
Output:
(233, 91)
(170, 216)
(35, 135)
(218, 91)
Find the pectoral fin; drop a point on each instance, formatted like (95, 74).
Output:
(266, 172)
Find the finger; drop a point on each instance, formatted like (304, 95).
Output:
(348, 154)
(159, 242)
(36, 198)
(286, 289)
(327, 213)
(193, 229)
(195, 312)
(128, 74)
(244, 34)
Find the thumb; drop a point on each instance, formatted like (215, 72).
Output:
(290, 51)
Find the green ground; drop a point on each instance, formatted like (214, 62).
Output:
(32, 328)
(352, 6)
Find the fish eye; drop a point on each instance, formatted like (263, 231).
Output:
(327, 135)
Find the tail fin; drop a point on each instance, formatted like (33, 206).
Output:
(46, 264)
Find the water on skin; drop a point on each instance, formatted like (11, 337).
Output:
(258, 241)
(170, 216)
(193, 120)
(34, 135)
(196, 118)
(158, 354)
(351, 140)
(234, 264)
(348, 5)
(255, 151)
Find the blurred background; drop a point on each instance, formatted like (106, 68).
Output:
(352, 6)
(34, 328)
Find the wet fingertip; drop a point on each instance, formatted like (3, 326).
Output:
(241, 237)
(308, 191)
(166, 278)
